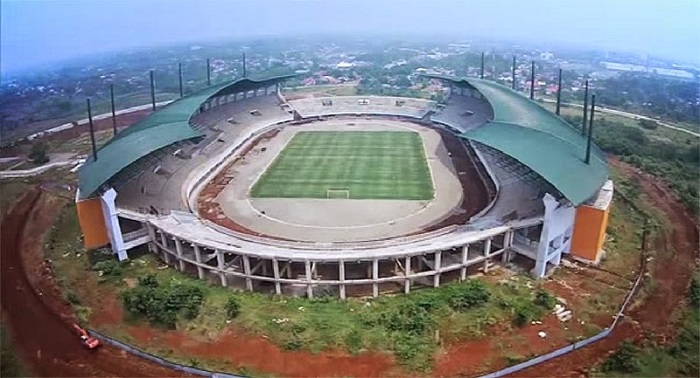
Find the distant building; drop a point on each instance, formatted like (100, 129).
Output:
(344, 65)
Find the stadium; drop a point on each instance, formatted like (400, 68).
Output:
(248, 188)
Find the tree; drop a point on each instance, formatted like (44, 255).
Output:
(38, 153)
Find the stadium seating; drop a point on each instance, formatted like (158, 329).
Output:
(464, 113)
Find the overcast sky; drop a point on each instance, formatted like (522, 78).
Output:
(41, 31)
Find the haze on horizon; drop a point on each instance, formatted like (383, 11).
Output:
(34, 32)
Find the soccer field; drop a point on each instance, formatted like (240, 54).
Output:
(349, 164)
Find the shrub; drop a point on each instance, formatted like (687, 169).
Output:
(624, 360)
(233, 307)
(161, 305)
(521, 316)
(694, 292)
(544, 299)
(409, 318)
(648, 124)
(73, 298)
(38, 153)
(110, 268)
(471, 294)
(353, 341)
(148, 281)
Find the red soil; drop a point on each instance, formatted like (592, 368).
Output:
(677, 251)
(475, 196)
(37, 318)
(239, 349)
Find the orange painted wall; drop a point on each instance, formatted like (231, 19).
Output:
(92, 223)
(589, 232)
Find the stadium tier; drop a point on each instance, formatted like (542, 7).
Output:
(353, 195)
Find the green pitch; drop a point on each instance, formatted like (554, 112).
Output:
(349, 164)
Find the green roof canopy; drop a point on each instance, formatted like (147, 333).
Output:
(165, 126)
(536, 137)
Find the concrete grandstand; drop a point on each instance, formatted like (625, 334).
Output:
(510, 178)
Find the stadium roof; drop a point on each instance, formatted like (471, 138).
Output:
(165, 126)
(536, 137)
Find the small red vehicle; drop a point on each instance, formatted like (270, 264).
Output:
(88, 341)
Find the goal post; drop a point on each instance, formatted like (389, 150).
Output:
(337, 194)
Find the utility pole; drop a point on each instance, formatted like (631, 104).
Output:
(590, 131)
(532, 81)
(179, 74)
(208, 73)
(513, 74)
(153, 91)
(92, 131)
(114, 112)
(482, 65)
(559, 93)
(585, 109)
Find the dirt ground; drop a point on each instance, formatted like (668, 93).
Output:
(37, 317)
(677, 247)
(406, 220)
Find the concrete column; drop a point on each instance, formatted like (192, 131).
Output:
(375, 276)
(114, 230)
(198, 258)
(487, 252)
(178, 249)
(341, 277)
(220, 264)
(152, 246)
(465, 256)
(436, 278)
(407, 272)
(309, 289)
(276, 272)
(164, 243)
(507, 238)
(289, 269)
(246, 270)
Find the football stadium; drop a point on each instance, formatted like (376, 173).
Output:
(347, 195)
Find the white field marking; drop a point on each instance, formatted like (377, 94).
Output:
(337, 227)
(262, 172)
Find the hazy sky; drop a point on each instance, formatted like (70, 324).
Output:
(41, 31)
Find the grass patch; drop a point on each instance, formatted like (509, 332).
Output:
(10, 365)
(356, 164)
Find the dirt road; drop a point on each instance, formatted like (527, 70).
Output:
(676, 253)
(40, 335)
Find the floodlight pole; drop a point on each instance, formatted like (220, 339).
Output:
(590, 131)
(92, 131)
(153, 91)
(208, 73)
(179, 74)
(244, 66)
(513, 74)
(114, 112)
(532, 81)
(585, 109)
(559, 94)
(482, 66)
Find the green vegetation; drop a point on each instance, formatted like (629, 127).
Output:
(38, 153)
(406, 325)
(10, 365)
(162, 304)
(624, 360)
(650, 360)
(233, 307)
(351, 164)
(675, 163)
